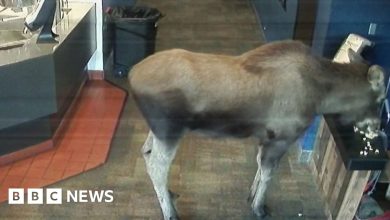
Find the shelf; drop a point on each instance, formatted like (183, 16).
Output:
(349, 144)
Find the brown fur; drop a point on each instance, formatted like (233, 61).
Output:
(267, 84)
(270, 93)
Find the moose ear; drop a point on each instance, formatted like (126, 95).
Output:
(376, 77)
(354, 57)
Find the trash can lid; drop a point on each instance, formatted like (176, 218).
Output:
(135, 13)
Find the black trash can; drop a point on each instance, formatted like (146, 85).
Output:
(135, 30)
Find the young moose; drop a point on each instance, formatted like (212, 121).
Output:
(270, 93)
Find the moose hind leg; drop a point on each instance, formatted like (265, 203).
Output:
(158, 155)
(269, 161)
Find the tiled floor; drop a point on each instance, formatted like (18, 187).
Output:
(83, 145)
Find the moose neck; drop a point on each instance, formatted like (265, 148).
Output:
(344, 87)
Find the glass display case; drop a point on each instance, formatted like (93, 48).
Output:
(13, 15)
(15, 9)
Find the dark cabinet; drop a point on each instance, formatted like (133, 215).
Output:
(277, 18)
(287, 19)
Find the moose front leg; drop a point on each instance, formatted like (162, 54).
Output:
(269, 159)
(158, 155)
(256, 180)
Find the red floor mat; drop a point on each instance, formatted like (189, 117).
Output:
(84, 144)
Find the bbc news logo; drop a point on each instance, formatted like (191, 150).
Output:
(55, 196)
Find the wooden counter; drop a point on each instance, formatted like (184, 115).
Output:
(340, 187)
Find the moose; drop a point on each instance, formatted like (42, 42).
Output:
(270, 93)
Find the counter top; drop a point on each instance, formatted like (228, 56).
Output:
(31, 50)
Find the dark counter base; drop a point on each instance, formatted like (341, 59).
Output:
(24, 135)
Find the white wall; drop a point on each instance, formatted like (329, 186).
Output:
(96, 62)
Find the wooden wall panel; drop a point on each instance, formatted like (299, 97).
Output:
(341, 189)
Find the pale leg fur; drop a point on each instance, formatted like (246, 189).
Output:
(268, 160)
(256, 180)
(158, 157)
(258, 200)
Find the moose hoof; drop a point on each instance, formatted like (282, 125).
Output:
(174, 218)
(262, 213)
